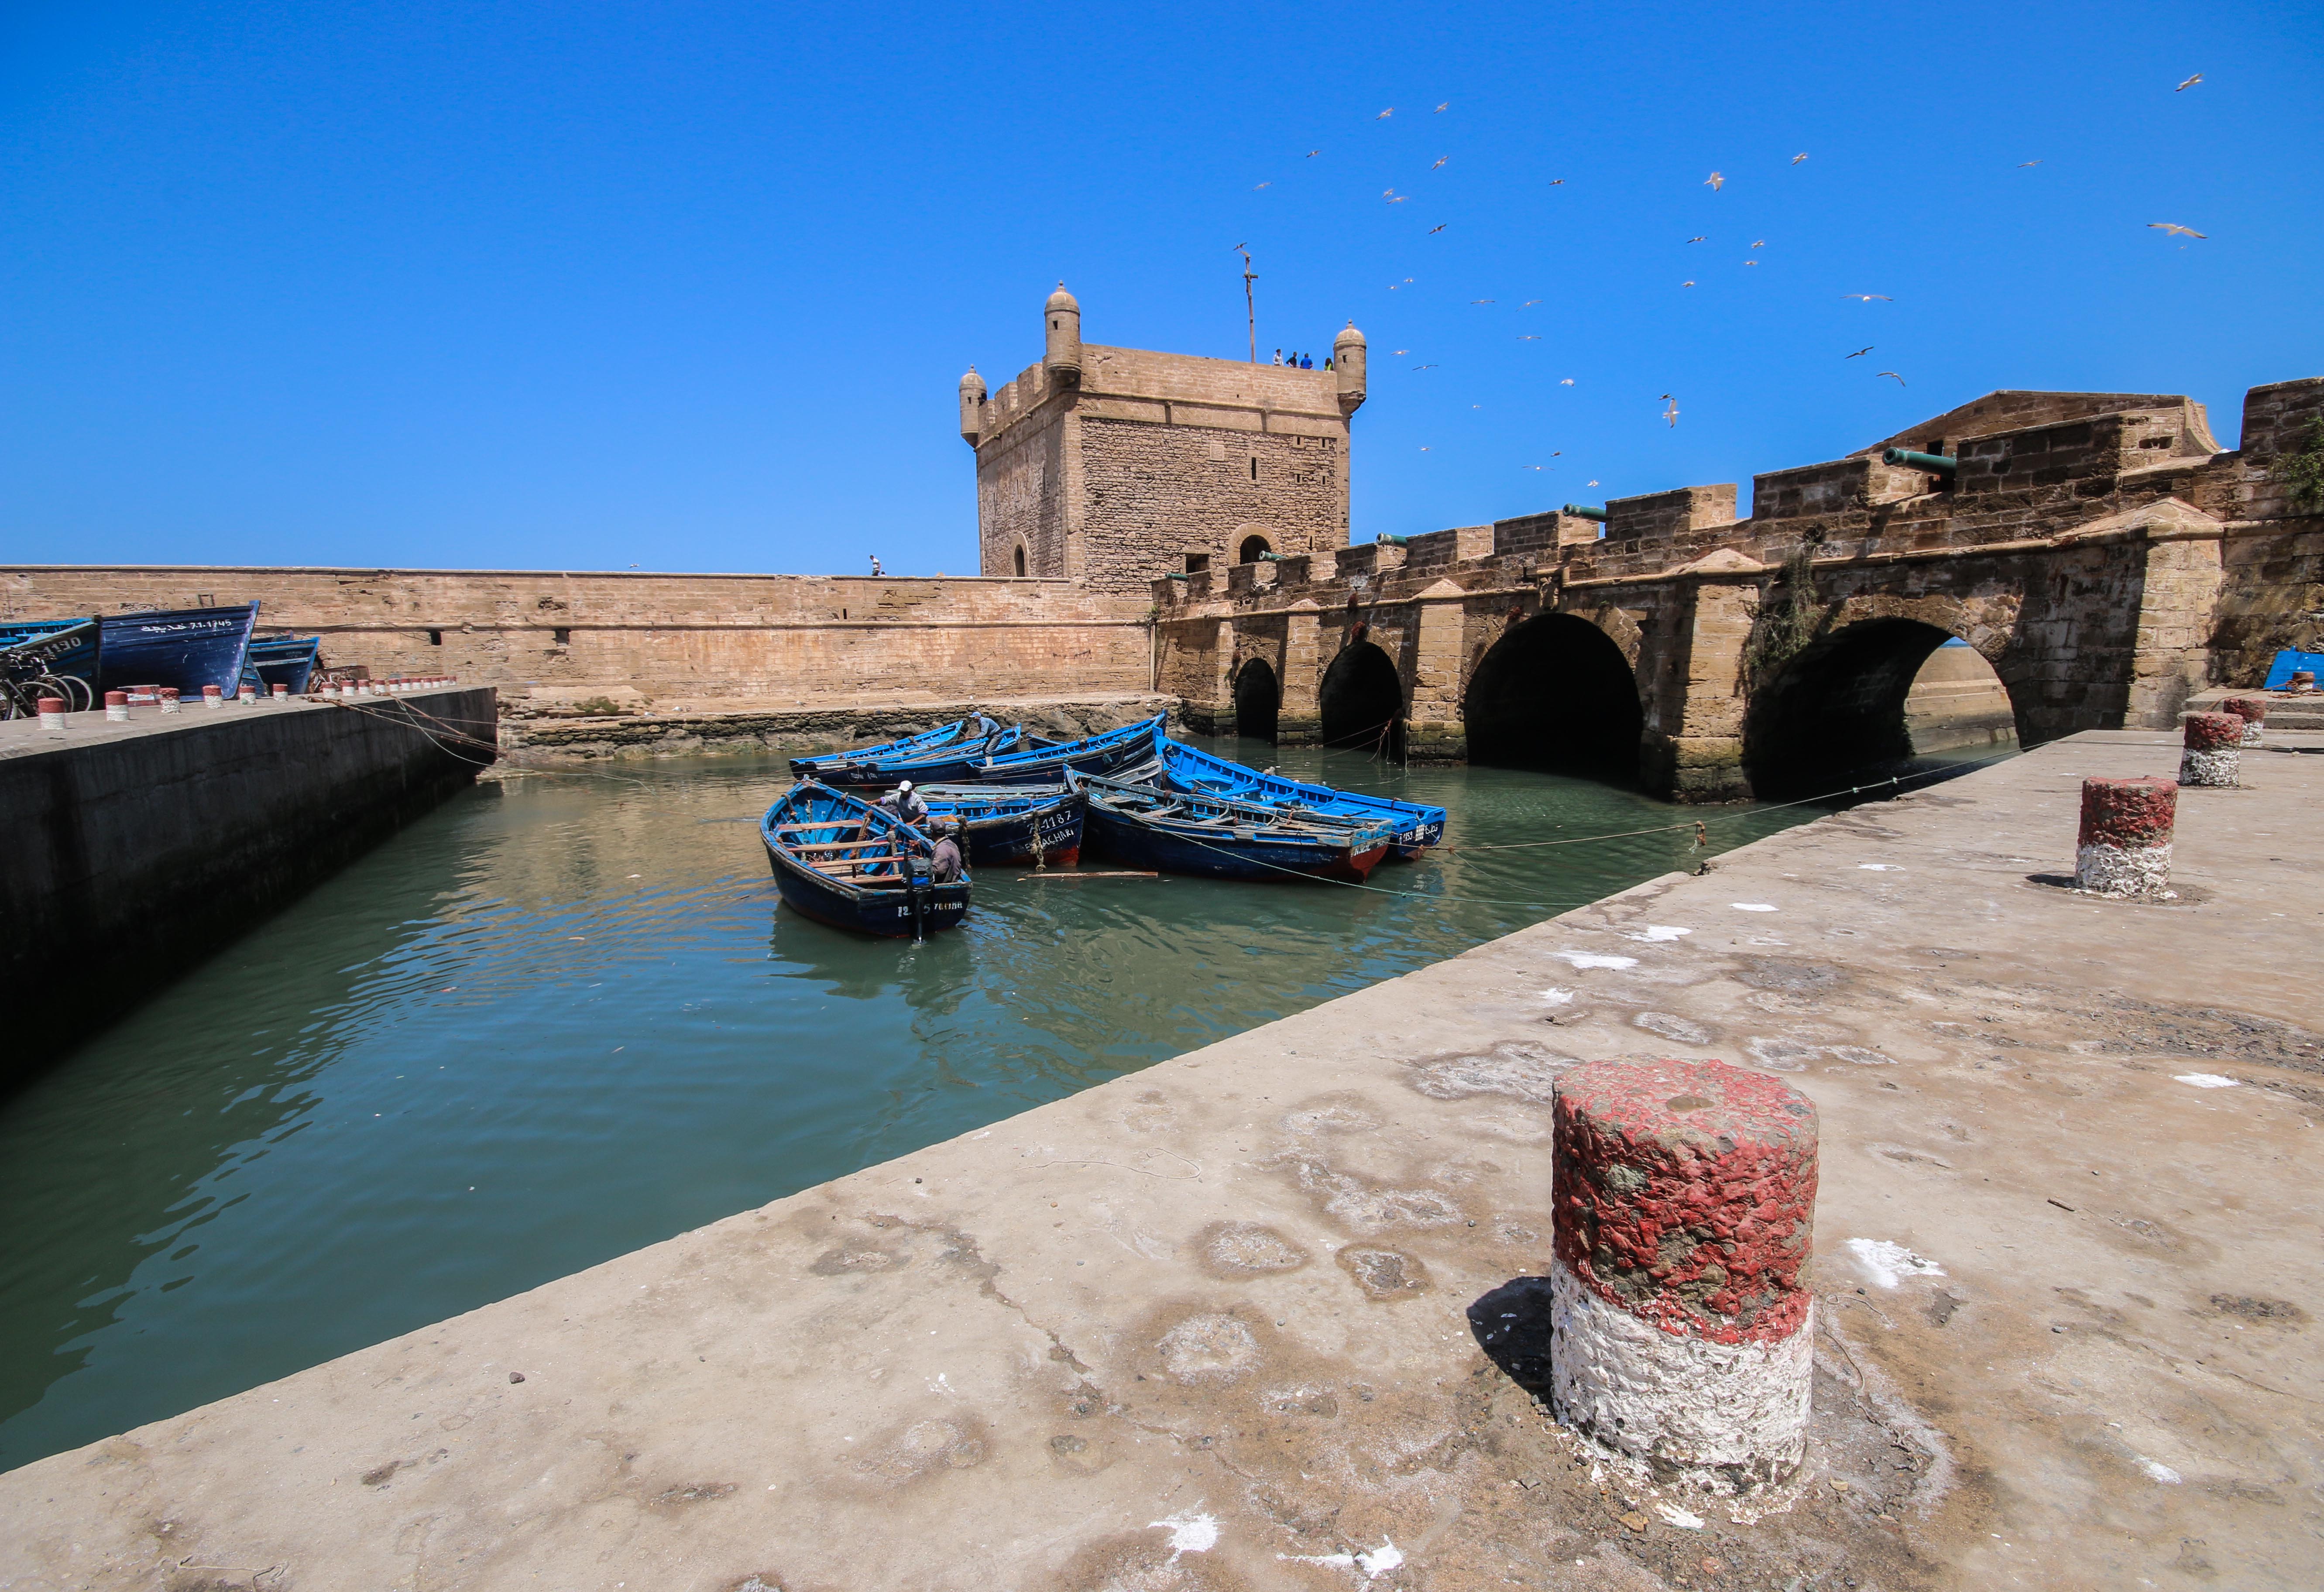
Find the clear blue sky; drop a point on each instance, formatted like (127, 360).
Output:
(691, 287)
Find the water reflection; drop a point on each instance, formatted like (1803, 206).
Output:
(561, 1019)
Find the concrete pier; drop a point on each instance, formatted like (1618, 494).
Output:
(1275, 1314)
(130, 850)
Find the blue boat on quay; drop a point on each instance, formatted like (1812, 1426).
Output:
(847, 863)
(957, 760)
(1218, 837)
(1415, 825)
(976, 730)
(288, 661)
(187, 648)
(1050, 763)
(1008, 825)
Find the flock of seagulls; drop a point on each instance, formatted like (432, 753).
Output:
(1716, 181)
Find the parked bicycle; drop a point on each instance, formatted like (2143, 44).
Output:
(26, 673)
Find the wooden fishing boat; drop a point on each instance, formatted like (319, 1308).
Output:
(972, 731)
(1051, 762)
(1215, 837)
(955, 761)
(1006, 825)
(288, 661)
(1417, 826)
(187, 648)
(854, 866)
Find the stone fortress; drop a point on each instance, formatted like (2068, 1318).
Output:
(1158, 528)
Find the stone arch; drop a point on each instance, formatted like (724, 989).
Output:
(1833, 715)
(1018, 556)
(1362, 702)
(1555, 693)
(1251, 541)
(1257, 700)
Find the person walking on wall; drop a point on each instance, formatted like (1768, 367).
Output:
(875, 566)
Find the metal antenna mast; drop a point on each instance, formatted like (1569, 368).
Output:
(1250, 305)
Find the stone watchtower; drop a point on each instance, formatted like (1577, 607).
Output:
(1113, 466)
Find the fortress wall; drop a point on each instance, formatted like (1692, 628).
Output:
(669, 641)
(1190, 489)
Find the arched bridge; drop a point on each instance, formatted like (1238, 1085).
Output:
(2099, 551)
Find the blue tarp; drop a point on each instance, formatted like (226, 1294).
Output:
(2280, 673)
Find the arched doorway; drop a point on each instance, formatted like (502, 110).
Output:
(1555, 693)
(1956, 704)
(1362, 702)
(1257, 698)
(1020, 557)
(1834, 715)
(1252, 549)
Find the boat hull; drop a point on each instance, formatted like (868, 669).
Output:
(187, 648)
(1050, 837)
(1165, 850)
(960, 731)
(886, 914)
(1094, 754)
(1415, 825)
(858, 870)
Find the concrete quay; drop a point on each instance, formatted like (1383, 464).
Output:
(131, 851)
(798, 730)
(1271, 1315)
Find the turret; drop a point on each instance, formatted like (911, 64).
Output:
(972, 407)
(1347, 362)
(1062, 354)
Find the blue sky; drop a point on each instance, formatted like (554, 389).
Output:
(691, 287)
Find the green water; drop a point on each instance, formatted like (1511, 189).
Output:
(564, 1017)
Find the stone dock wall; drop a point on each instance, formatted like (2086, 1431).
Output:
(129, 851)
(553, 640)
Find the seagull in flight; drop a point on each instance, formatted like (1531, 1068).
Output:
(1448, 103)
(1860, 353)
(1530, 338)
(2190, 83)
(1314, 153)
(1400, 352)
(2175, 230)
(1424, 367)
(1798, 158)
(1760, 245)
(1481, 300)
(1565, 381)
(2022, 164)
(1671, 414)
(1593, 484)
(1686, 284)
(1899, 380)
(1440, 161)
(1257, 186)
(1714, 182)
(1698, 239)
(1385, 114)
(1529, 304)
(1557, 182)
(1440, 226)
(1751, 262)
(1869, 297)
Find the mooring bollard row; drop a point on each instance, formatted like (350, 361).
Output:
(2213, 754)
(2125, 845)
(2253, 711)
(1681, 1329)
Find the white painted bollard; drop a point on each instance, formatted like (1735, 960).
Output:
(280, 692)
(247, 694)
(1680, 1324)
(2214, 753)
(52, 714)
(170, 694)
(117, 707)
(2253, 711)
(213, 697)
(2125, 845)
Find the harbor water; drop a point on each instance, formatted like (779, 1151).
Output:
(564, 1016)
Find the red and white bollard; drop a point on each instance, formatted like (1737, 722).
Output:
(1681, 1332)
(117, 707)
(52, 714)
(280, 692)
(2125, 847)
(247, 694)
(170, 699)
(2253, 711)
(2213, 756)
(213, 697)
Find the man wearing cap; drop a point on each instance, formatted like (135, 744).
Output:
(907, 803)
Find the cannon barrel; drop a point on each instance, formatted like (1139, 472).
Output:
(1585, 511)
(1393, 541)
(1265, 557)
(1934, 464)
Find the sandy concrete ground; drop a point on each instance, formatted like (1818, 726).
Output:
(1262, 1317)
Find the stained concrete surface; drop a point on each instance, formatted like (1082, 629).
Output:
(1265, 1316)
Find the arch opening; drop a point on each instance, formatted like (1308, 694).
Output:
(1257, 698)
(1251, 549)
(1555, 694)
(1837, 714)
(1362, 702)
(1019, 556)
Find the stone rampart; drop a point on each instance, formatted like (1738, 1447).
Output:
(672, 642)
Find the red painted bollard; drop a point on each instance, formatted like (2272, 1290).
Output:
(280, 692)
(2124, 846)
(1684, 1194)
(116, 706)
(2253, 711)
(52, 714)
(2213, 755)
(213, 697)
(246, 694)
(170, 694)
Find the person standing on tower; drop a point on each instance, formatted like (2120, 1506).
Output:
(875, 566)
(1279, 356)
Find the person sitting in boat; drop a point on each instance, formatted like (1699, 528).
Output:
(944, 861)
(907, 803)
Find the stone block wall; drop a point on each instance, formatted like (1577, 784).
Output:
(1661, 515)
(1154, 491)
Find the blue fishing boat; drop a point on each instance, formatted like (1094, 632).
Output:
(187, 648)
(1216, 837)
(957, 760)
(1049, 763)
(854, 866)
(288, 661)
(1004, 825)
(974, 730)
(1415, 825)
(49, 657)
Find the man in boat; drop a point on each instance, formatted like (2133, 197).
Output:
(907, 803)
(944, 861)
